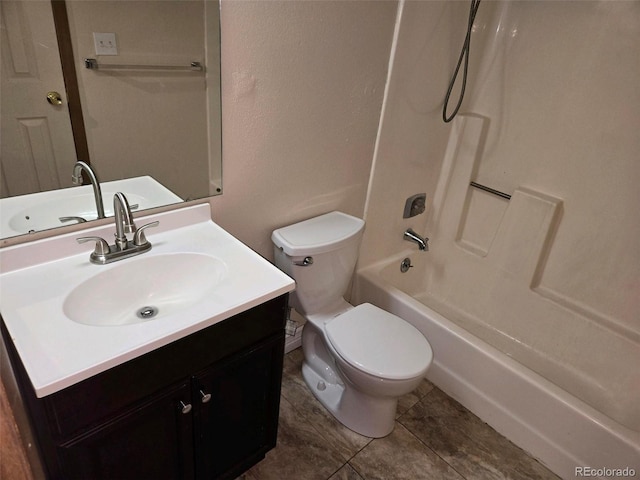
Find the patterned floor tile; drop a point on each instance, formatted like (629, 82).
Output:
(468, 444)
(401, 456)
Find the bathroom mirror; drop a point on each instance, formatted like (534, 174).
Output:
(144, 112)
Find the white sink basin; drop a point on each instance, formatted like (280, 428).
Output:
(145, 289)
(42, 211)
(70, 319)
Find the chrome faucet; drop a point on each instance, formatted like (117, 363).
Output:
(411, 236)
(76, 178)
(123, 247)
(124, 219)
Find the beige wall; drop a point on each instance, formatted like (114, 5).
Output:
(302, 87)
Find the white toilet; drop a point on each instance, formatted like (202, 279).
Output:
(357, 360)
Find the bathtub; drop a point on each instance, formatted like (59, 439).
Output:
(557, 428)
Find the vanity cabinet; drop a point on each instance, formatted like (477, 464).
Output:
(205, 406)
(123, 446)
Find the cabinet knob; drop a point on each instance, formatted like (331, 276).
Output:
(185, 407)
(204, 397)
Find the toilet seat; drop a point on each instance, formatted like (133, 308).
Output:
(379, 343)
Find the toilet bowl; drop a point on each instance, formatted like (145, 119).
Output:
(357, 360)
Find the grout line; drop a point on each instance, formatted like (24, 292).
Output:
(428, 447)
(419, 439)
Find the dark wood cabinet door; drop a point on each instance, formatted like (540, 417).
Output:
(238, 424)
(152, 441)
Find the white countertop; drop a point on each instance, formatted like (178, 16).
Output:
(57, 352)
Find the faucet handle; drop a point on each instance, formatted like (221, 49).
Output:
(102, 247)
(139, 239)
(72, 219)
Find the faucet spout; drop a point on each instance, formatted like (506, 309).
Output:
(76, 178)
(411, 236)
(123, 218)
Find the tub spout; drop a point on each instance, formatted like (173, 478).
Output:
(411, 236)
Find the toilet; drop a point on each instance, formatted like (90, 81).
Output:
(357, 360)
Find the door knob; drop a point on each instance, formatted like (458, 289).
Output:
(54, 98)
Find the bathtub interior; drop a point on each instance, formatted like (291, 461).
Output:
(596, 380)
(486, 271)
(551, 424)
(489, 265)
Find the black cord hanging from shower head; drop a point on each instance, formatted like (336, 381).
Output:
(464, 55)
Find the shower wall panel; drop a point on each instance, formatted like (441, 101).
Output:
(550, 116)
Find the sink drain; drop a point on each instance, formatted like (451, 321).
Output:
(147, 312)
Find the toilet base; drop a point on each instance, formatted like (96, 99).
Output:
(369, 416)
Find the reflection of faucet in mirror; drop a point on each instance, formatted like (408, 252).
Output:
(76, 178)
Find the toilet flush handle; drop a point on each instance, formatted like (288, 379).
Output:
(306, 261)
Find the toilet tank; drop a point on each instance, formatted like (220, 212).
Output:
(332, 242)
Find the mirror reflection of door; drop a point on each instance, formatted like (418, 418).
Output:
(37, 150)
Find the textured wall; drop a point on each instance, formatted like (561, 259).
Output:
(302, 88)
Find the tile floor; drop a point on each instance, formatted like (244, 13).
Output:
(435, 438)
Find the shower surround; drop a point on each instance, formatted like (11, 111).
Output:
(551, 277)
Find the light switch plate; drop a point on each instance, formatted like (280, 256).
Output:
(105, 43)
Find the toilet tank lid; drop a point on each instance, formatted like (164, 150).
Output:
(317, 235)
